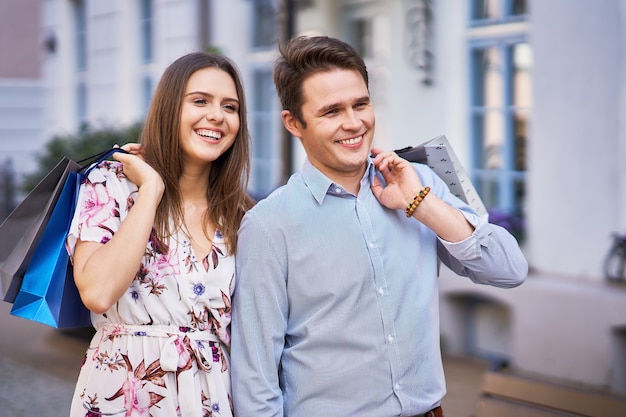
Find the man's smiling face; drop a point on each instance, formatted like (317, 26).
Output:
(339, 122)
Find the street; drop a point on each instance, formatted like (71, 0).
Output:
(38, 367)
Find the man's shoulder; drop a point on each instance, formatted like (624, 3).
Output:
(269, 202)
(282, 200)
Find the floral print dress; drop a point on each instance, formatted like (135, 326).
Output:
(162, 349)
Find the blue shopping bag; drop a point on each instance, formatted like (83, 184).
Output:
(21, 231)
(48, 293)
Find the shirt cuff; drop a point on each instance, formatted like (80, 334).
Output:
(469, 248)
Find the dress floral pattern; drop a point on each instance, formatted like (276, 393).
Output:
(162, 349)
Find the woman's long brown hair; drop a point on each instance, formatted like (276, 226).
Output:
(228, 179)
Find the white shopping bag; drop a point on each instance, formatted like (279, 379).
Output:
(440, 157)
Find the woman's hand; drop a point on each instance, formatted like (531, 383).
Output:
(137, 170)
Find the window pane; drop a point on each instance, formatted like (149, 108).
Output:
(489, 129)
(264, 166)
(361, 34)
(521, 65)
(487, 187)
(147, 93)
(520, 196)
(81, 104)
(489, 78)
(485, 9)
(520, 135)
(264, 24)
(518, 7)
(80, 22)
(146, 30)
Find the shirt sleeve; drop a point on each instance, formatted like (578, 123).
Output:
(491, 255)
(257, 344)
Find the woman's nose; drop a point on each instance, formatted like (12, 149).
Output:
(214, 113)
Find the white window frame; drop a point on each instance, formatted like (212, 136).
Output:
(503, 187)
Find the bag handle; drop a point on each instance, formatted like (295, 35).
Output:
(96, 159)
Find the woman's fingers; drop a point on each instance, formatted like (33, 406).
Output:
(134, 148)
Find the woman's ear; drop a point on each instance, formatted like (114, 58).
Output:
(291, 123)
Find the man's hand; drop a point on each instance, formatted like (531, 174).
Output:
(402, 180)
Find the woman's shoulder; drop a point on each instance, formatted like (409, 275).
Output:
(107, 171)
(109, 175)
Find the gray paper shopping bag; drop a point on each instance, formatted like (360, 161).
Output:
(440, 157)
(22, 229)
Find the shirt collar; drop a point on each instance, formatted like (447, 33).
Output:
(320, 185)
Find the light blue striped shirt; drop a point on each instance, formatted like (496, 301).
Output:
(340, 294)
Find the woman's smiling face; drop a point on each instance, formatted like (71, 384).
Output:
(209, 119)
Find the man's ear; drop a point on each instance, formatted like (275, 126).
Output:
(291, 123)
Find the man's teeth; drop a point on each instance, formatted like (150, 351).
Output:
(351, 141)
(209, 133)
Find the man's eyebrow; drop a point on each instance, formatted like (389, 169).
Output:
(333, 106)
(364, 99)
(328, 108)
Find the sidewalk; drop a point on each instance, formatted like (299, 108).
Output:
(39, 366)
(463, 380)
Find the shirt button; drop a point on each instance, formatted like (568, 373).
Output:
(372, 244)
(390, 338)
(337, 190)
(381, 291)
(397, 387)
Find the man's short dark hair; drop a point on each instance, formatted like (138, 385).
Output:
(304, 56)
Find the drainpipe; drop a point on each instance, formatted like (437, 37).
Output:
(204, 21)
(287, 31)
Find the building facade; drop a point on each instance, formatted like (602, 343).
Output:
(532, 95)
(21, 90)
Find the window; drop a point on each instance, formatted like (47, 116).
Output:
(147, 93)
(264, 24)
(147, 18)
(361, 36)
(81, 105)
(265, 130)
(493, 11)
(80, 24)
(500, 108)
(358, 28)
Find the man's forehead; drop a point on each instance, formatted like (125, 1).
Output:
(334, 86)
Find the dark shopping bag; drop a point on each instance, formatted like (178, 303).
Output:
(47, 293)
(22, 229)
(440, 157)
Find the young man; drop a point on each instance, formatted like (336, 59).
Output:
(335, 310)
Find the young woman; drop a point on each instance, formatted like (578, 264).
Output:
(153, 243)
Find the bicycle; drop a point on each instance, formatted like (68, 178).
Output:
(615, 262)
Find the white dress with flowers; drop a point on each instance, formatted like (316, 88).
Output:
(161, 350)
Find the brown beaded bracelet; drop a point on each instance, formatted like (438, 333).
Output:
(416, 201)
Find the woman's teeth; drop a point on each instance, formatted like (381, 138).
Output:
(209, 133)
